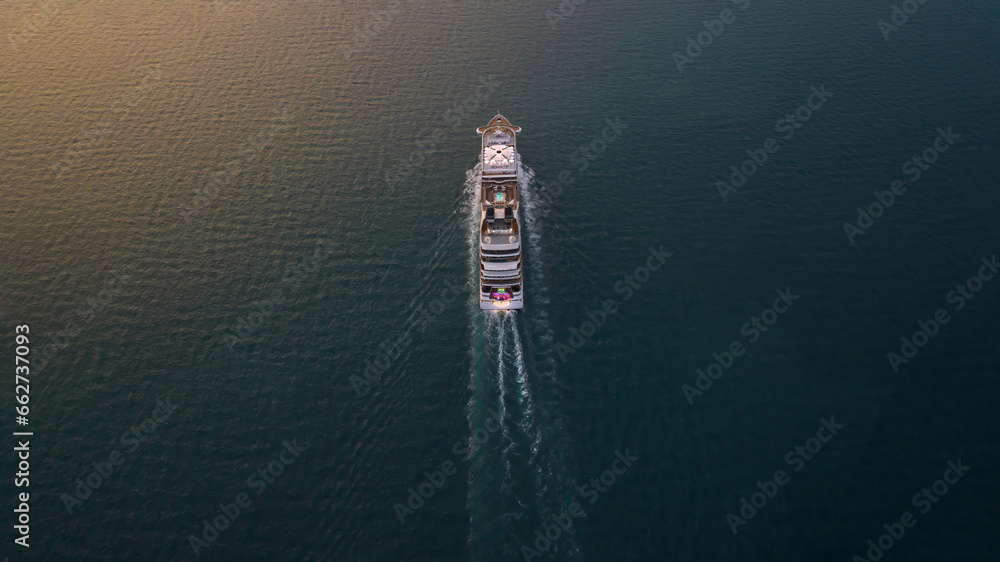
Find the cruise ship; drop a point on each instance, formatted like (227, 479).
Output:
(500, 277)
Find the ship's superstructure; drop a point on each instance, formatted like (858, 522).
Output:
(500, 277)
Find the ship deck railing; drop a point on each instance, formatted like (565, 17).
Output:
(499, 226)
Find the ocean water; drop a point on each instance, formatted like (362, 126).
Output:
(241, 234)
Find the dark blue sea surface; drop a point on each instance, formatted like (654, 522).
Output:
(760, 242)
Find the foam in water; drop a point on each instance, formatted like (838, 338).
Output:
(532, 447)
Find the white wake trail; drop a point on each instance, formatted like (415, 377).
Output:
(533, 446)
(524, 395)
(552, 491)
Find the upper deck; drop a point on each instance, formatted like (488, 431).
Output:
(499, 193)
(499, 155)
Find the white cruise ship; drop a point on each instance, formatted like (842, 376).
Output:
(500, 277)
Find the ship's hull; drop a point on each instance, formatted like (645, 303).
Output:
(501, 277)
(500, 273)
(513, 304)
